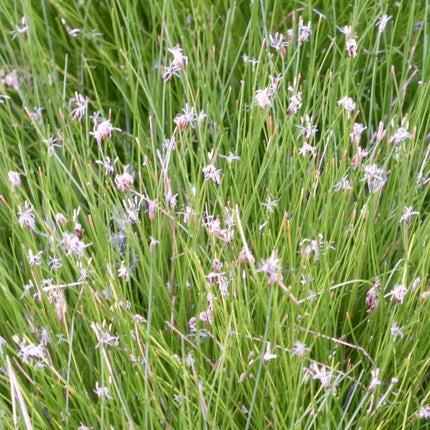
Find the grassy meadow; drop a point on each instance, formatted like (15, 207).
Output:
(214, 215)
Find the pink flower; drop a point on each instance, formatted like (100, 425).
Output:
(123, 182)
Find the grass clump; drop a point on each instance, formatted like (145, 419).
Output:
(214, 216)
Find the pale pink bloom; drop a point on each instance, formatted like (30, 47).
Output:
(123, 272)
(372, 300)
(304, 31)
(375, 176)
(271, 267)
(211, 172)
(424, 412)
(322, 374)
(103, 130)
(358, 156)
(81, 103)
(348, 104)
(55, 263)
(375, 380)
(307, 130)
(343, 185)
(268, 354)
(270, 204)
(357, 131)
(396, 331)
(262, 97)
(382, 22)
(274, 83)
(10, 79)
(206, 317)
(170, 71)
(192, 325)
(415, 284)
(29, 351)
(299, 349)
(400, 135)
(108, 165)
(123, 182)
(179, 59)
(351, 48)
(407, 214)
(295, 101)
(20, 30)
(381, 132)
(26, 217)
(398, 293)
(246, 256)
(277, 41)
(347, 31)
(152, 243)
(34, 259)
(15, 179)
(102, 391)
(230, 158)
(73, 245)
(307, 149)
(103, 335)
(61, 219)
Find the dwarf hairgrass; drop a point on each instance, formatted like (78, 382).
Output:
(214, 214)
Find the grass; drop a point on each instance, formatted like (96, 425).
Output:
(253, 263)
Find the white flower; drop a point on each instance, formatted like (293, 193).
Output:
(270, 204)
(14, 178)
(343, 185)
(72, 244)
(103, 336)
(299, 349)
(398, 293)
(396, 331)
(34, 259)
(357, 131)
(277, 41)
(381, 132)
(382, 22)
(179, 59)
(102, 130)
(81, 103)
(295, 101)
(268, 354)
(123, 272)
(407, 214)
(123, 182)
(304, 31)
(102, 391)
(20, 30)
(400, 135)
(424, 412)
(262, 97)
(347, 31)
(230, 158)
(108, 165)
(307, 130)
(375, 380)
(271, 268)
(307, 149)
(351, 48)
(26, 217)
(348, 104)
(30, 351)
(372, 300)
(375, 176)
(211, 172)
